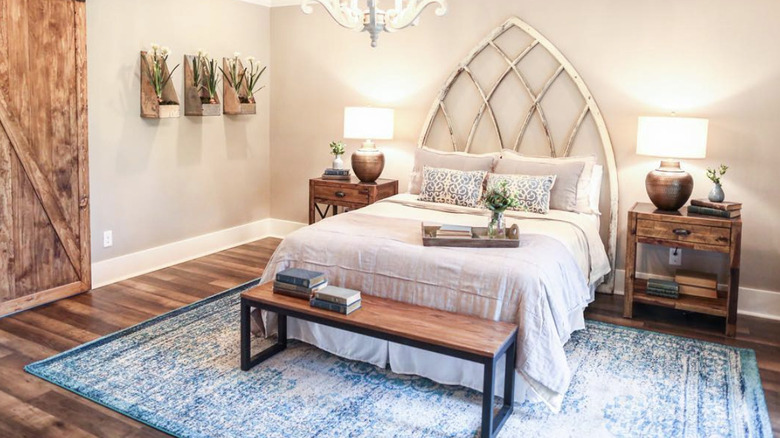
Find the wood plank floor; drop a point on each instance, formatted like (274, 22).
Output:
(30, 407)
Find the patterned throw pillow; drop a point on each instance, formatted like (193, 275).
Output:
(532, 192)
(447, 186)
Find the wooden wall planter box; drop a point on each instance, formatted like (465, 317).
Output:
(193, 97)
(231, 100)
(150, 107)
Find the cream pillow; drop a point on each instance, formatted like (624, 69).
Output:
(448, 160)
(564, 193)
(584, 183)
(457, 187)
(532, 192)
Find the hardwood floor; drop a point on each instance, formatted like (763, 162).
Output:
(31, 407)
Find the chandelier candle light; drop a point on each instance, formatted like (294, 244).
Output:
(373, 20)
(669, 187)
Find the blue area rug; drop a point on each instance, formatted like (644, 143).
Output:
(180, 374)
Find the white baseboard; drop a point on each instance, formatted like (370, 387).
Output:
(138, 263)
(752, 302)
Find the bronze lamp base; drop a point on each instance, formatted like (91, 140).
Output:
(368, 164)
(669, 187)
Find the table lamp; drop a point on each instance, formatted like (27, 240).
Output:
(669, 187)
(368, 124)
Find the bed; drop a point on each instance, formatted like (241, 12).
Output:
(543, 286)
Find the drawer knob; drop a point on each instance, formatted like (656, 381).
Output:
(682, 232)
(340, 194)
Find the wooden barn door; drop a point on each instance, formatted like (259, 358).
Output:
(44, 192)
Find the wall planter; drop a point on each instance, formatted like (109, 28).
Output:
(235, 102)
(197, 101)
(152, 106)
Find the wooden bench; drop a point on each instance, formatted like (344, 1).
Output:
(451, 334)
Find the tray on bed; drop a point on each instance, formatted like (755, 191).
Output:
(479, 238)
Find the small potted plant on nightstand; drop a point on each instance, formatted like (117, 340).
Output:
(715, 175)
(337, 149)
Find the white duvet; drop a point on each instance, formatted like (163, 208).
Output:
(543, 286)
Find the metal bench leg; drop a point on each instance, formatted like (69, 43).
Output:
(491, 424)
(487, 398)
(247, 361)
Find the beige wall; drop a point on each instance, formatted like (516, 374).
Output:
(155, 182)
(706, 58)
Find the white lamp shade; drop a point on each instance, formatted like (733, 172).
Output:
(368, 123)
(672, 137)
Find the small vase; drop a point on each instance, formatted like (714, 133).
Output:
(716, 194)
(338, 163)
(496, 227)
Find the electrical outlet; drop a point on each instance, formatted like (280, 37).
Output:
(675, 256)
(108, 239)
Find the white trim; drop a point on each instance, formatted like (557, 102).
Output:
(141, 262)
(752, 302)
(274, 3)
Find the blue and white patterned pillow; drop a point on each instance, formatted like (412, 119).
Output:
(532, 192)
(447, 186)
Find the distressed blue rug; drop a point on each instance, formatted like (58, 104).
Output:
(180, 374)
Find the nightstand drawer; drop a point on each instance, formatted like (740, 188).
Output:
(341, 194)
(683, 232)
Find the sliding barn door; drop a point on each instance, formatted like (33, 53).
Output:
(44, 193)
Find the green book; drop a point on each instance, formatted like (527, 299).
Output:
(663, 284)
(661, 293)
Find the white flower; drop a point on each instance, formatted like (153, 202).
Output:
(165, 51)
(155, 47)
(236, 54)
(200, 53)
(250, 59)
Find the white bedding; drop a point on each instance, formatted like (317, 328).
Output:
(543, 286)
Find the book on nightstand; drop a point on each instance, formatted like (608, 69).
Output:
(725, 206)
(728, 210)
(662, 288)
(336, 174)
(697, 284)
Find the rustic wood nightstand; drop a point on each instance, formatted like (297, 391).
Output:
(678, 229)
(349, 195)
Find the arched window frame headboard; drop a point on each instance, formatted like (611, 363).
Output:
(590, 107)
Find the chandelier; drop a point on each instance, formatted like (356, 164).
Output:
(373, 20)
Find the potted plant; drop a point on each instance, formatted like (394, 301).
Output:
(337, 149)
(252, 77)
(715, 175)
(158, 96)
(157, 71)
(498, 200)
(234, 76)
(200, 85)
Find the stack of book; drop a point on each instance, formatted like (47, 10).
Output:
(337, 299)
(663, 288)
(337, 174)
(697, 284)
(299, 283)
(705, 207)
(456, 231)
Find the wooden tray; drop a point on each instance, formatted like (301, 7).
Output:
(479, 238)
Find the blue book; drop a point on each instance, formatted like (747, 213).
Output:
(333, 307)
(300, 277)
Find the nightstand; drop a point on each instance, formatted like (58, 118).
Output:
(349, 195)
(678, 229)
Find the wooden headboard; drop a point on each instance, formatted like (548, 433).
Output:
(517, 91)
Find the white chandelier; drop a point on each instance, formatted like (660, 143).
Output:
(374, 20)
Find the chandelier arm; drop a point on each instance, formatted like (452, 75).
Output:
(409, 14)
(342, 14)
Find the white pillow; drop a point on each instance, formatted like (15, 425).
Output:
(448, 160)
(583, 204)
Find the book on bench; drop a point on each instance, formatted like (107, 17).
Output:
(300, 277)
(298, 291)
(333, 307)
(338, 295)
